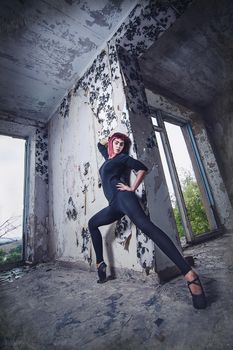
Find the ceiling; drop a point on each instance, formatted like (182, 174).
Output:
(46, 45)
(192, 62)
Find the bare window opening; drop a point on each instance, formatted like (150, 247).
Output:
(190, 196)
(189, 186)
(12, 153)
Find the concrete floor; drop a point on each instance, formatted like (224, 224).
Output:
(53, 306)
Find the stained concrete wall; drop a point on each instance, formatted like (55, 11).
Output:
(35, 226)
(157, 200)
(75, 193)
(96, 105)
(218, 119)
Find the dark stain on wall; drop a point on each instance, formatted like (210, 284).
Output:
(84, 189)
(86, 237)
(140, 250)
(121, 226)
(125, 121)
(143, 250)
(86, 168)
(151, 141)
(71, 212)
(42, 153)
(113, 61)
(135, 91)
(64, 107)
(85, 46)
(103, 16)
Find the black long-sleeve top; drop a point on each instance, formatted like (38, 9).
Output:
(115, 170)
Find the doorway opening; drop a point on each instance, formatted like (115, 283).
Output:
(190, 194)
(12, 175)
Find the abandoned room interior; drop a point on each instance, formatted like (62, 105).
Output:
(72, 73)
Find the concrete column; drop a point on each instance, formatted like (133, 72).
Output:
(157, 196)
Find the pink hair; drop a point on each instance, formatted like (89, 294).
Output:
(123, 137)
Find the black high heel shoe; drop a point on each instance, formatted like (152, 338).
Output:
(102, 272)
(199, 300)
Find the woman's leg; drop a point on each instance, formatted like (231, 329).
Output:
(128, 204)
(105, 216)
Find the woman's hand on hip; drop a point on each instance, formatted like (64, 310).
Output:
(122, 187)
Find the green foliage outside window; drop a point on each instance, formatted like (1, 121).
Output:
(194, 206)
(2, 255)
(14, 255)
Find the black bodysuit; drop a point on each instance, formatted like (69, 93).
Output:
(122, 203)
(116, 170)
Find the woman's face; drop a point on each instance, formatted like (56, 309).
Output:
(118, 145)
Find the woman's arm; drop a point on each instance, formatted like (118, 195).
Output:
(102, 147)
(139, 177)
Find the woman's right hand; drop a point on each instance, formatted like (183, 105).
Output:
(104, 141)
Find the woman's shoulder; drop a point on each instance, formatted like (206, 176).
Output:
(123, 157)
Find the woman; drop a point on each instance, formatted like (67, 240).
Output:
(123, 201)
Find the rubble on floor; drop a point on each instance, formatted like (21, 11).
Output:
(61, 307)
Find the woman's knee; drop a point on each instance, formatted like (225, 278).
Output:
(91, 224)
(144, 224)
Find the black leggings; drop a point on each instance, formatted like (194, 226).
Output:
(126, 203)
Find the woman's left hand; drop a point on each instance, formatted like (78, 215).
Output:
(122, 187)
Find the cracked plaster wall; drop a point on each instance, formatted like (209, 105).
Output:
(218, 120)
(75, 191)
(96, 105)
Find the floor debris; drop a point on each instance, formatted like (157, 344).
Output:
(57, 307)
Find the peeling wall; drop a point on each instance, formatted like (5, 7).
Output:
(35, 227)
(95, 106)
(75, 190)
